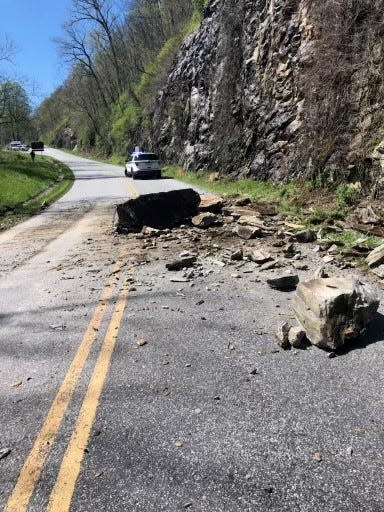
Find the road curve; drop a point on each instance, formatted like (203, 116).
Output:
(108, 181)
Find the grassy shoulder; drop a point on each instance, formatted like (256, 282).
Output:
(25, 185)
(305, 205)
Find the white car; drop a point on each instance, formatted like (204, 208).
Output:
(143, 165)
(15, 145)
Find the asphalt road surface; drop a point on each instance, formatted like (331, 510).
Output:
(123, 390)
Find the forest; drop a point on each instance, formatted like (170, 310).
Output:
(16, 121)
(119, 58)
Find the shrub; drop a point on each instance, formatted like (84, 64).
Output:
(347, 194)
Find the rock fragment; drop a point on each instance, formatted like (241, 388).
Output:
(375, 257)
(204, 220)
(148, 231)
(248, 232)
(258, 256)
(335, 310)
(270, 265)
(252, 220)
(4, 452)
(285, 282)
(211, 203)
(282, 335)
(237, 255)
(305, 236)
(368, 216)
(181, 263)
(296, 337)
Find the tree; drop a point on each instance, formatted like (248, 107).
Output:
(15, 112)
(90, 39)
(120, 57)
(7, 49)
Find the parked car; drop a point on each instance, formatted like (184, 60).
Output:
(15, 145)
(143, 165)
(24, 147)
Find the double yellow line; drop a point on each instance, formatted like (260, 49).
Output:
(61, 496)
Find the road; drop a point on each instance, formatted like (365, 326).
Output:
(123, 390)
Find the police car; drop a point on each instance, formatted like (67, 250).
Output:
(143, 165)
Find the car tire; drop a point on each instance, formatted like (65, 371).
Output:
(134, 176)
(126, 173)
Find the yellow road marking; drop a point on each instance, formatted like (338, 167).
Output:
(131, 187)
(61, 496)
(31, 471)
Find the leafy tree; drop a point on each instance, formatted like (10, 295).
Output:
(15, 112)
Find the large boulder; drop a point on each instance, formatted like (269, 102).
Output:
(333, 311)
(160, 210)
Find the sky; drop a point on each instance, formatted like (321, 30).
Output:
(32, 25)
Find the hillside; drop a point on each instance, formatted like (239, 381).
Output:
(269, 89)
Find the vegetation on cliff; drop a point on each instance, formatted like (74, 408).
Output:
(280, 90)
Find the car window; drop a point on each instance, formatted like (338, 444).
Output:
(147, 156)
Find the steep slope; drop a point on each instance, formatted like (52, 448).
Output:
(277, 89)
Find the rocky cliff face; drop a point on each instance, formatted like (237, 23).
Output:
(278, 89)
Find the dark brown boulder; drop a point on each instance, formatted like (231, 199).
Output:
(160, 210)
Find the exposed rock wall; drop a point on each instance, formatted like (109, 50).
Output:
(277, 89)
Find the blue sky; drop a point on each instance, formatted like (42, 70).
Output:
(32, 25)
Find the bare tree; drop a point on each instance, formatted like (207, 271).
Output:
(118, 56)
(7, 49)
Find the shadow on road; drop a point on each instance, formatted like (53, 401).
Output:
(374, 334)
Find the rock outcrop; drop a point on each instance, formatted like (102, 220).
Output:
(277, 89)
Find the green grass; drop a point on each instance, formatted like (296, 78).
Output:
(25, 185)
(254, 189)
(349, 237)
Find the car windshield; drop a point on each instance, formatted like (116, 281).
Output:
(146, 156)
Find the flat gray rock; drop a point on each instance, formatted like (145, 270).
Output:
(248, 232)
(375, 257)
